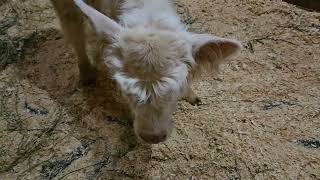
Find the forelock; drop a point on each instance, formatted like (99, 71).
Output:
(166, 88)
(154, 65)
(152, 47)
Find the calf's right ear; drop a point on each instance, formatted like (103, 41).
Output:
(103, 25)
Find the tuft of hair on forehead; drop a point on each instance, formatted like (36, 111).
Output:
(154, 92)
(152, 50)
(155, 64)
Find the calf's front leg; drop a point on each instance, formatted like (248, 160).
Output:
(71, 21)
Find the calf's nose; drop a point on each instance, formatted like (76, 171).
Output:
(153, 138)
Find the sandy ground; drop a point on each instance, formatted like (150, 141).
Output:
(260, 117)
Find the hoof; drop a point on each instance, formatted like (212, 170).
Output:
(195, 102)
(88, 77)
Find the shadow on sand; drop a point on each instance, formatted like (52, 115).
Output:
(99, 113)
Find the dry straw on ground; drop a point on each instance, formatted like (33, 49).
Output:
(259, 118)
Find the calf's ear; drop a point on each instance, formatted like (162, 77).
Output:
(210, 51)
(102, 24)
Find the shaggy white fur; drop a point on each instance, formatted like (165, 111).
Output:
(153, 58)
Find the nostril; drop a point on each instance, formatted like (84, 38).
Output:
(153, 138)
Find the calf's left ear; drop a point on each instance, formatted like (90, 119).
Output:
(210, 51)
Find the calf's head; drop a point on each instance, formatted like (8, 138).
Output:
(153, 68)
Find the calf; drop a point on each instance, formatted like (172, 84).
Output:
(149, 52)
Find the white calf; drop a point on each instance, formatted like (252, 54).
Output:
(149, 53)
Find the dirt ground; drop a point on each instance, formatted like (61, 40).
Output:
(260, 117)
